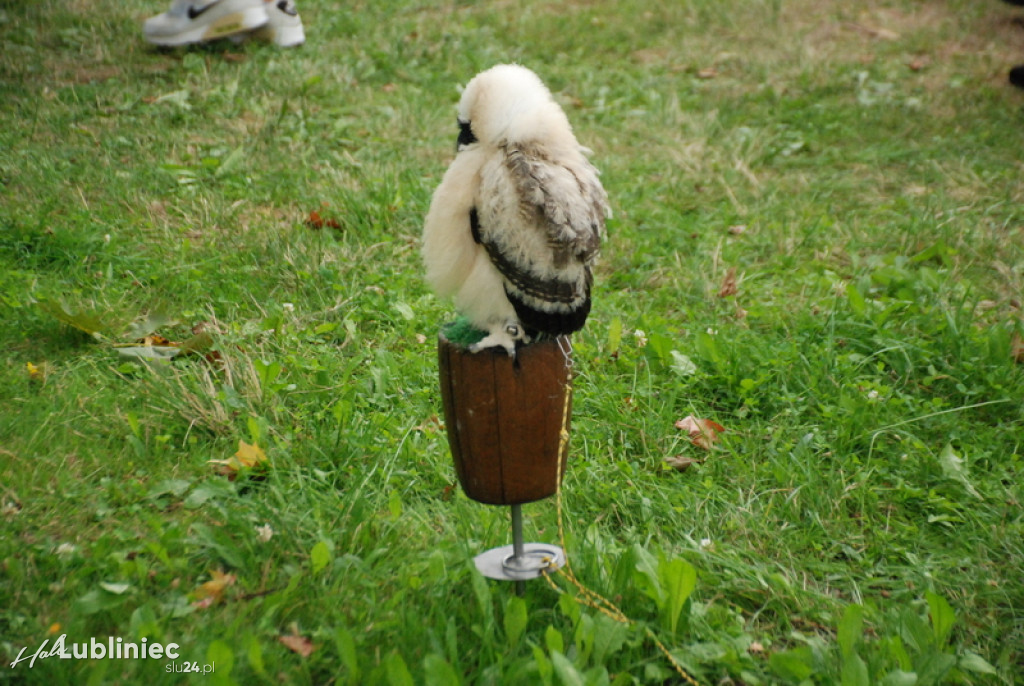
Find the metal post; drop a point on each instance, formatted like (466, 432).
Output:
(517, 530)
(517, 543)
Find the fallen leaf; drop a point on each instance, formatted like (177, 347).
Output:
(89, 323)
(149, 353)
(447, 492)
(147, 326)
(729, 285)
(703, 432)
(298, 644)
(199, 343)
(430, 425)
(34, 373)
(953, 467)
(681, 462)
(707, 73)
(738, 229)
(212, 591)
(682, 364)
(315, 221)
(918, 63)
(250, 457)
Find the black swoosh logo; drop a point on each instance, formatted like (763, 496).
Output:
(193, 12)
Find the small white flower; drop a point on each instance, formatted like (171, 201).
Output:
(705, 543)
(264, 533)
(641, 337)
(288, 307)
(106, 238)
(712, 332)
(65, 550)
(873, 394)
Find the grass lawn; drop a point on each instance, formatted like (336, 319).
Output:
(818, 243)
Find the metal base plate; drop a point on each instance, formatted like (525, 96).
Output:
(502, 563)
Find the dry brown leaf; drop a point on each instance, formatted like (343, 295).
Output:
(729, 285)
(156, 339)
(703, 432)
(447, 492)
(249, 457)
(707, 73)
(315, 221)
(298, 644)
(431, 425)
(681, 462)
(212, 592)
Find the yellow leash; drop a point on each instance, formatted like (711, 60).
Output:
(588, 597)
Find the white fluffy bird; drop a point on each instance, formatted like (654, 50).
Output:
(514, 227)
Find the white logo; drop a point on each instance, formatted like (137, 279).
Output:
(114, 649)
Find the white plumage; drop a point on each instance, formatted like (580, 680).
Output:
(514, 227)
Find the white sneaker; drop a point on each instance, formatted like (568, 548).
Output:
(195, 21)
(284, 26)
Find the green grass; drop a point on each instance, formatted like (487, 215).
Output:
(859, 521)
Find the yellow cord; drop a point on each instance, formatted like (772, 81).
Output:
(588, 597)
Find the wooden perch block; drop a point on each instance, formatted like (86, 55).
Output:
(504, 418)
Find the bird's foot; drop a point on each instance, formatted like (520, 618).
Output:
(505, 337)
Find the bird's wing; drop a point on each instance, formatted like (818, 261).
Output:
(566, 197)
(541, 222)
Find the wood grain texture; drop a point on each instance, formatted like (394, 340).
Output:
(503, 418)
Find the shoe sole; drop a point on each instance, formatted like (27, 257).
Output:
(282, 36)
(221, 27)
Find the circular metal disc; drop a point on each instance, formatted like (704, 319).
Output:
(501, 563)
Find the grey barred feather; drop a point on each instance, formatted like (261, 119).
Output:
(541, 220)
(572, 208)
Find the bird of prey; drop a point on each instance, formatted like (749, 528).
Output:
(514, 227)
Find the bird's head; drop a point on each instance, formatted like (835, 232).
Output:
(509, 104)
